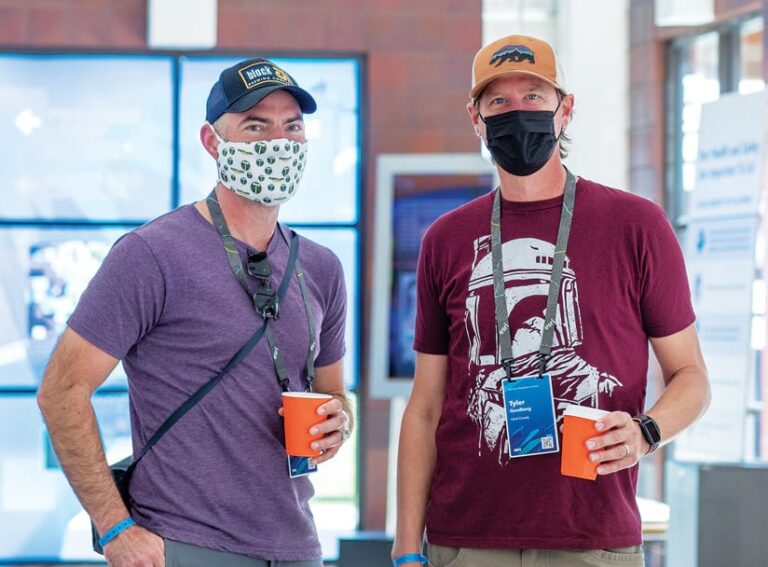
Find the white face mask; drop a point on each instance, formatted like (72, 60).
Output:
(267, 171)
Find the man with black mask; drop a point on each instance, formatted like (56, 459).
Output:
(536, 299)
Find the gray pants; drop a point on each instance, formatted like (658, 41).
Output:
(179, 554)
(440, 556)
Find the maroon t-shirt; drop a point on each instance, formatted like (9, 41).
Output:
(624, 281)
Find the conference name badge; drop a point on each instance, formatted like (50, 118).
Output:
(299, 466)
(530, 416)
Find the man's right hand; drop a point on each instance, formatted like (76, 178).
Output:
(135, 547)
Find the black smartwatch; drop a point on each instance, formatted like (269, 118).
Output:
(650, 430)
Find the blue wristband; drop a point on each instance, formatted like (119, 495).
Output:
(411, 557)
(116, 530)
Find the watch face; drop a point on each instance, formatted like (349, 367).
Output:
(650, 430)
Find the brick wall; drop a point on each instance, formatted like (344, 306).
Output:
(418, 59)
(646, 103)
(73, 23)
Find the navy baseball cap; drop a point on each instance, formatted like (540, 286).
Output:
(245, 84)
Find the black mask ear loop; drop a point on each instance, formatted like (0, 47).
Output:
(560, 98)
(476, 102)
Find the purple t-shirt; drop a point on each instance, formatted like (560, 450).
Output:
(166, 303)
(623, 281)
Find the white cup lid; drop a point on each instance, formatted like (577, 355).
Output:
(306, 395)
(585, 412)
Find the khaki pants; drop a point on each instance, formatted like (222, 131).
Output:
(440, 556)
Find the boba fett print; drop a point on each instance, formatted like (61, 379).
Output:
(527, 273)
(267, 172)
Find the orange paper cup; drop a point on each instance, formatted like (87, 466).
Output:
(300, 414)
(578, 426)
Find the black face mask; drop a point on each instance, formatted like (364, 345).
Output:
(521, 141)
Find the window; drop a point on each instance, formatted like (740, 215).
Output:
(88, 138)
(698, 82)
(328, 191)
(751, 56)
(45, 269)
(98, 145)
(728, 59)
(702, 68)
(530, 17)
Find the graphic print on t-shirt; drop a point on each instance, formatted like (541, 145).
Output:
(527, 273)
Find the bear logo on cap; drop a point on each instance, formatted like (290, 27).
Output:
(514, 54)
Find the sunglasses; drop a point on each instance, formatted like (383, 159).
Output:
(265, 299)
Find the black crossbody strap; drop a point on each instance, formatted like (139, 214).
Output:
(208, 386)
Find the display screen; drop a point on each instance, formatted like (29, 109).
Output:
(419, 199)
(86, 138)
(45, 271)
(39, 514)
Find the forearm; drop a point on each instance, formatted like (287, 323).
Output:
(416, 460)
(74, 433)
(684, 400)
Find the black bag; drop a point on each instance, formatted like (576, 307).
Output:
(122, 471)
(118, 470)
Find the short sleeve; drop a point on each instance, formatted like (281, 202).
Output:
(123, 301)
(431, 333)
(331, 338)
(665, 295)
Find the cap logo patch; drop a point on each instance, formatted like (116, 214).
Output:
(512, 54)
(260, 73)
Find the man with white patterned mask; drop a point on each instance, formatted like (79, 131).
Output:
(259, 141)
(184, 293)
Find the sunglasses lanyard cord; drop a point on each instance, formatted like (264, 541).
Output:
(269, 311)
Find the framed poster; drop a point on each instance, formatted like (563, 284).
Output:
(412, 191)
(720, 258)
(729, 165)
